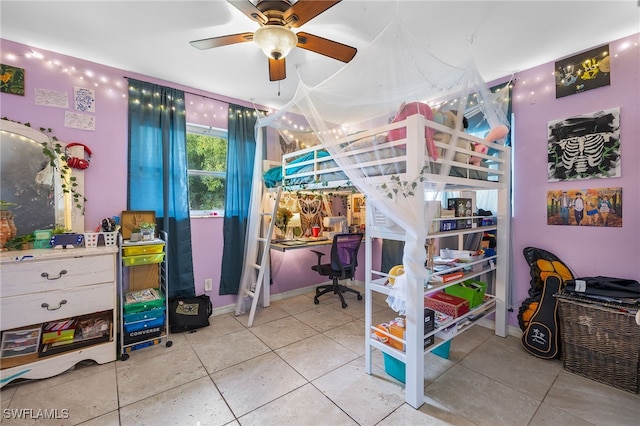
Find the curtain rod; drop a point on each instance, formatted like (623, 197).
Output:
(191, 93)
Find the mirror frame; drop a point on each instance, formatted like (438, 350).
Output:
(66, 214)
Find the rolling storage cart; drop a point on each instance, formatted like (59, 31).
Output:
(143, 294)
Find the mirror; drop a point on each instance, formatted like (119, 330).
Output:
(28, 180)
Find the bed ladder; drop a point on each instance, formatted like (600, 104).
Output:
(256, 261)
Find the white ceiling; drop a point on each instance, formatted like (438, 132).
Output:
(152, 37)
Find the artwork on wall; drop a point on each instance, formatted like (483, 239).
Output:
(84, 99)
(51, 98)
(11, 80)
(585, 207)
(288, 147)
(585, 71)
(585, 146)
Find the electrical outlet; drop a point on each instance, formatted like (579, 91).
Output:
(208, 284)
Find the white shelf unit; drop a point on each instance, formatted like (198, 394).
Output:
(496, 303)
(161, 282)
(307, 170)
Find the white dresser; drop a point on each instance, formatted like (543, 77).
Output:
(40, 286)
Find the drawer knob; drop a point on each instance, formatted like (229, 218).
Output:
(46, 275)
(46, 305)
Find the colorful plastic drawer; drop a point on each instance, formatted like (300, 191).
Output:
(144, 315)
(143, 330)
(142, 325)
(143, 249)
(146, 259)
(143, 300)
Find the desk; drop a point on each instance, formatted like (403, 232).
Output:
(298, 244)
(284, 247)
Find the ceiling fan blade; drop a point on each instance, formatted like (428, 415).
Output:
(277, 69)
(305, 10)
(252, 12)
(326, 47)
(208, 43)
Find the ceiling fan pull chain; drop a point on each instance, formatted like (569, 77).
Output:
(278, 87)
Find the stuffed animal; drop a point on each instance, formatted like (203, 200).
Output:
(494, 135)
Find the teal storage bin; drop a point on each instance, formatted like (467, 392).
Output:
(443, 350)
(144, 315)
(395, 368)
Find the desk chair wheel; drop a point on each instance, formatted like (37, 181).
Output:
(344, 305)
(359, 297)
(316, 301)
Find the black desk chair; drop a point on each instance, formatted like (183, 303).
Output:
(344, 259)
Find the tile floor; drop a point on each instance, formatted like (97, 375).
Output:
(303, 364)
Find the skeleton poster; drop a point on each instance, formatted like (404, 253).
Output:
(585, 207)
(585, 146)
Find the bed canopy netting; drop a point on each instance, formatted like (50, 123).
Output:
(391, 72)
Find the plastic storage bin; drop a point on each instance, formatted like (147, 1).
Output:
(143, 300)
(146, 259)
(91, 239)
(143, 330)
(394, 367)
(443, 350)
(142, 249)
(144, 315)
(471, 290)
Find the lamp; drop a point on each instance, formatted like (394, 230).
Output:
(295, 222)
(275, 41)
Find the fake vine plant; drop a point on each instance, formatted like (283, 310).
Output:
(54, 150)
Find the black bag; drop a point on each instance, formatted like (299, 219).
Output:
(605, 287)
(189, 313)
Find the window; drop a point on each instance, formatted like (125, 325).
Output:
(207, 169)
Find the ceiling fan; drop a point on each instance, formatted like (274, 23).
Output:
(275, 37)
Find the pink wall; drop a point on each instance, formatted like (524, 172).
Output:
(106, 178)
(588, 251)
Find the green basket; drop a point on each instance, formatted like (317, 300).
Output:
(471, 290)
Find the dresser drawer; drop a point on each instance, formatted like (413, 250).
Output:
(27, 309)
(34, 276)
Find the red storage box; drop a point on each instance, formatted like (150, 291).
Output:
(447, 304)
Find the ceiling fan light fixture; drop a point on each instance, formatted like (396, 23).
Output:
(275, 41)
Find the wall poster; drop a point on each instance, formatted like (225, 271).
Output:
(11, 80)
(585, 146)
(584, 71)
(585, 207)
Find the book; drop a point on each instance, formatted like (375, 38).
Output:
(452, 276)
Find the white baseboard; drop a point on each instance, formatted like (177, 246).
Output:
(285, 295)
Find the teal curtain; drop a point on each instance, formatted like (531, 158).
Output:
(157, 178)
(241, 150)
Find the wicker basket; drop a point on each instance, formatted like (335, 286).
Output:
(600, 342)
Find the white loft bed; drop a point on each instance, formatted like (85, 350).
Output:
(314, 169)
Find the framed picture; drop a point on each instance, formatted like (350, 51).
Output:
(133, 219)
(582, 72)
(585, 207)
(11, 80)
(584, 146)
